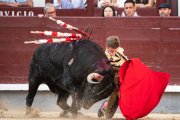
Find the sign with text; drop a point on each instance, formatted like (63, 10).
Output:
(11, 11)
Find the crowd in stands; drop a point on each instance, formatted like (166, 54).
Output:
(17, 3)
(130, 10)
(108, 6)
(120, 3)
(70, 4)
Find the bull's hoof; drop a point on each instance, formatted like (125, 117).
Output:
(1, 114)
(32, 114)
(100, 113)
(64, 114)
(74, 115)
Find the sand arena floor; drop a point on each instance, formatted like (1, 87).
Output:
(7, 114)
(20, 115)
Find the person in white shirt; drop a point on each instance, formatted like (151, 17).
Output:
(17, 3)
(129, 9)
(57, 4)
(69, 4)
(145, 3)
(114, 3)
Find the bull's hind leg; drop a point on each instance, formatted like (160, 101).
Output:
(62, 103)
(33, 87)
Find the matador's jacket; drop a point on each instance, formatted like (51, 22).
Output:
(118, 59)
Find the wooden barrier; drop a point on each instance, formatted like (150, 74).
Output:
(153, 39)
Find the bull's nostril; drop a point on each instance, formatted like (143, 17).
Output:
(95, 80)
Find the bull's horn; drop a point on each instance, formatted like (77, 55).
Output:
(95, 76)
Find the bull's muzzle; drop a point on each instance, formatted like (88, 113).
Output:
(94, 78)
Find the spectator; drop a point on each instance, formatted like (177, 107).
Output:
(17, 3)
(49, 10)
(69, 4)
(129, 9)
(164, 10)
(109, 11)
(145, 3)
(114, 3)
(115, 54)
(57, 4)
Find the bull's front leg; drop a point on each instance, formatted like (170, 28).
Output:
(71, 86)
(62, 103)
(75, 103)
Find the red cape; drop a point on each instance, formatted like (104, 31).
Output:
(140, 89)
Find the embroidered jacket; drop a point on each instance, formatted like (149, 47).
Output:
(118, 59)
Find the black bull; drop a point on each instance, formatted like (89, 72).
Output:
(66, 69)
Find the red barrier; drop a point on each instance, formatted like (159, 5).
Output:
(153, 39)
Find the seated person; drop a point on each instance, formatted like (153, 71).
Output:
(129, 9)
(17, 3)
(114, 3)
(164, 10)
(108, 11)
(69, 4)
(49, 10)
(145, 3)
